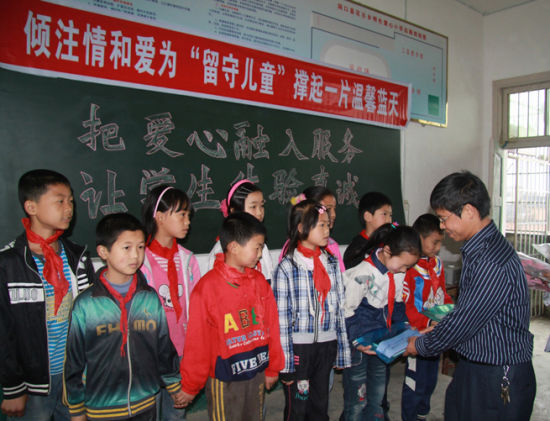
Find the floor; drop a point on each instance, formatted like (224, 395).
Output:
(540, 327)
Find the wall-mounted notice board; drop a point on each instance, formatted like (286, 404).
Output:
(116, 143)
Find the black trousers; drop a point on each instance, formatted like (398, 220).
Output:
(307, 397)
(475, 393)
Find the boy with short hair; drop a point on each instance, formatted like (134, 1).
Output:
(489, 326)
(118, 336)
(375, 210)
(424, 288)
(40, 275)
(233, 343)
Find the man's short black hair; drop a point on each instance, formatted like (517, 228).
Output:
(426, 224)
(371, 202)
(35, 183)
(110, 227)
(459, 189)
(240, 227)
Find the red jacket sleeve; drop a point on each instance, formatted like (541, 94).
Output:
(199, 343)
(416, 319)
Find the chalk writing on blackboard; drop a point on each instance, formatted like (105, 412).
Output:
(202, 188)
(321, 178)
(285, 185)
(322, 145)
(348, 149)
(291, 147)
(345, 192)
(153, 178)
(108, 133)
(244, 146)
(93, 197)
(158, 127)
(219, 153)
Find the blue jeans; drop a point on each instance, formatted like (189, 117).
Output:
(364, 385)
(43, 408)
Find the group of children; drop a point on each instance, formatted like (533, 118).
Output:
(140, 337)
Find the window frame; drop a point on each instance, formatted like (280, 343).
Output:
(502, 89)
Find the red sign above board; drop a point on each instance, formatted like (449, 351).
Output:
(54, 40)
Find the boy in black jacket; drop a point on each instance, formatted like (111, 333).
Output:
(40, 275)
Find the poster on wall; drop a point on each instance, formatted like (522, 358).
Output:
(336, 32)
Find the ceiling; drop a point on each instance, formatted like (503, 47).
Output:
(488, 7)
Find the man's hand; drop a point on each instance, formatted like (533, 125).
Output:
(366, 349)
(14, 407)
(411, 348)
(270, 381)
(79, 418)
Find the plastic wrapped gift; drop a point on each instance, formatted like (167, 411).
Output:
(388, 344)
(437, 313)
(537, 272)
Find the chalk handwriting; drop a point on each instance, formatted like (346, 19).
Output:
(285, 185)
(321, 178)
(348, 149)
(249, 175)
(153, 178)
(322, 145)
(244, 146)
(345, 192)
(93, 197)
(292, 147)
(219, 152)
(202, 189)
(108, 132)
(158, 127)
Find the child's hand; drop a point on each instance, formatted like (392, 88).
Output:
(182, 399)
(79, 418)
(366, 349)
(14, 407)
(433, 323)
(270, 381)
(428, 329)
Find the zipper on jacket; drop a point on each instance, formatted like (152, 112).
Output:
(45, 319)
(129, 359)
(317, 305)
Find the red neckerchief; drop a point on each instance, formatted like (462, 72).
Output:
(122, 304)
(364, 234)
(53, 263)
(168, 254)
(391, 292)
(429, 265)
(321, 280)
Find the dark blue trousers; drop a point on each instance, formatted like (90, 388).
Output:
(475, 393)
(418, 386)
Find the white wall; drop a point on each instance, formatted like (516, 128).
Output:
(516, 42)
(430, 153)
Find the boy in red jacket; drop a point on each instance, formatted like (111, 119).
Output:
(232, 341)
(424, 288)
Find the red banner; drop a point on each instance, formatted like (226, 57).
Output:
(45, 38)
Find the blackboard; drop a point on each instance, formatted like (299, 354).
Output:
(114, 143)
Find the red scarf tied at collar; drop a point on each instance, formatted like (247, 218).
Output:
(391, 292)
(122, 305)
(428, 264)
(169, 253)
(53, 263)
(321, 280)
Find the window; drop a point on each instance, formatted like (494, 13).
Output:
(526, 114)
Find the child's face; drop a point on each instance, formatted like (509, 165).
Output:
(319, 234)
(399, 263)
(329, 202)
(245, 256)
(53, 210)
(174, 224)
(381, 216)
(254, 205)
(125, 256)
(431, 244)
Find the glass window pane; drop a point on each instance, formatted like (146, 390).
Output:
(513, 115)
(523, 114)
